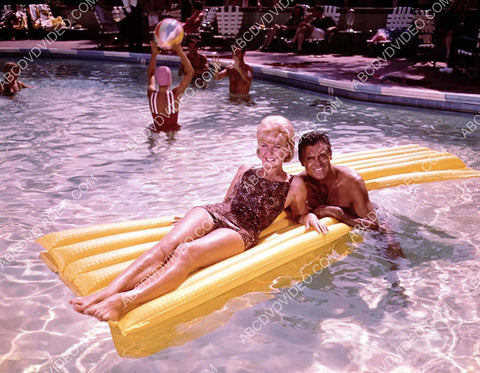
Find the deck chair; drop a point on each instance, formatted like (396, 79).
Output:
(6, 9)
(109, 32)
(5, 32)
(469, 55)
(426, 29)
(21, 30)
(332, 12)
(229, 23)
(35, 25)
(208, 27)
(118, 13)
(173, 13)
(400, 18)
(42, 19)
(321, 45)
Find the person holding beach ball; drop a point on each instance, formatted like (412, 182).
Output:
(164, 103)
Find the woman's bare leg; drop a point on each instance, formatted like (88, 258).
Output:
(448, 43)
(196, 223)
(216, 246)
(295, 38)
(304, 33)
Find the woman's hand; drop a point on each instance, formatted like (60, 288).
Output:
(177, 48)
(153, 47)
(311, 221)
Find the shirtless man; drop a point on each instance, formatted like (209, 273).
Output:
(240, 75)
(332, 190)
(199, 61)
(164, 104)
(11, 85)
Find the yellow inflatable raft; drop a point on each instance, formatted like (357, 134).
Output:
(89, 258)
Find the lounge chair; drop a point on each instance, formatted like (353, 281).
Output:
(109, 31)
(118, 13)
(400, 19)
(425, 26)
(469, 55)
(172, 13)
(7, 26)
(319, 46)
(229, 22)
(208, 27)
(42, 20)
(6, 9)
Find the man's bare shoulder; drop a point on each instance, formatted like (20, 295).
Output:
(298, 180)
(347, 172)
(349, 175)
(302, 174)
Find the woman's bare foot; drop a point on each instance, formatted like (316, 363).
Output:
(109, 309)
(80, 304)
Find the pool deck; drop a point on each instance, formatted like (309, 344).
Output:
(393, 82)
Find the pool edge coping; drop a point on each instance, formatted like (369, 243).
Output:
(386, 94)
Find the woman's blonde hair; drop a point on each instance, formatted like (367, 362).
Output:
(275, 126)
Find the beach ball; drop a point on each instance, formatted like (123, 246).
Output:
(168, 32)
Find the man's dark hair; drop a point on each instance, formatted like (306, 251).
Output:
(320, 9)
(11, 65)
(310, 139)
(193, 41)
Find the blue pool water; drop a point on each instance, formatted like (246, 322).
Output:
(73, 153)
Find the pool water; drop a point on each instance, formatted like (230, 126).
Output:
(74, 153)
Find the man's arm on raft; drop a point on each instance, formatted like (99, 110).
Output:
(365, 215)
(297, 201)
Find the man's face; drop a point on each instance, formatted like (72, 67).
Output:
(192, 48)
(316, 161)
(318, 14)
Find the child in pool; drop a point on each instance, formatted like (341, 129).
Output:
(211, 233)
(164, 103)
(11, 86)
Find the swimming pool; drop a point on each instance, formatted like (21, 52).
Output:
(74, 153)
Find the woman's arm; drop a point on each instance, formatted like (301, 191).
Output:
(241, 170)
(188, 69)
(151, 67)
